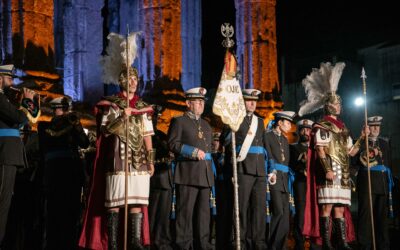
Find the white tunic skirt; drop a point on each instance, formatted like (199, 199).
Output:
(138, 188)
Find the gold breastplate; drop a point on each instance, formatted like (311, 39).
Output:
(337, 148)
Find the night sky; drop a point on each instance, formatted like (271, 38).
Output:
(304, 29)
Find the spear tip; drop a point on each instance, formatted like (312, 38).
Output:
(363, 75)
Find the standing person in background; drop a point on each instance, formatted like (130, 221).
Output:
(380, 164)
(281, 179)
(12, 152)
(298, 162)
(189, 138)
(161, 184)
(59, 142)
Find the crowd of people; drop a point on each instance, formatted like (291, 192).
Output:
(177, 187)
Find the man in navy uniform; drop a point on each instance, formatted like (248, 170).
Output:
(251, 164)
(298, 162)
(12, 153)
(189, 138)
(161, 187)
(281, 178)
(60, 140)
(380, 164)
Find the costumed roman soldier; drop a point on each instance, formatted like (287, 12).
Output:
(380, 164)
(161, 187)
(59, 141)
(281, 179)
(189, 138)
(107, 193)
(298, 163)
(328, 174)
(12, 152)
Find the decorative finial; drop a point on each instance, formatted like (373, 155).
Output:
(363, 75)
(227, 31)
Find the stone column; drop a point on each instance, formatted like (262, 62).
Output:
(256, 51)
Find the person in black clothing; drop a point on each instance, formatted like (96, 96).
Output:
(298, 162)
(380, 169)
(189, 138)
(251, 160)
(12, 153)
(59, 142)
(277, 147)
(160, 192)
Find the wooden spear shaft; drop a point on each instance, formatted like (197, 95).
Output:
(371, 210)
(126, 142)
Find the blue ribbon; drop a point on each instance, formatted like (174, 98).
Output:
(9, 132)
(63, 153)
(187, 151)
(291, 175)
(382, 168)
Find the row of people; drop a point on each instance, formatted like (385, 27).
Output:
(273, 176)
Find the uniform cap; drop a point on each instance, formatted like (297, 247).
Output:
(374, 120)
(251, 94)
(196, 93)
(288, 115)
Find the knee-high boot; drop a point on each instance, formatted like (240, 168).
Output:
(340, 226)
(325, 234)
(112, 227)
(136, 231)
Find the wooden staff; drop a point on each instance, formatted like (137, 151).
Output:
(371, 210)
(126, 141)
(235, 193)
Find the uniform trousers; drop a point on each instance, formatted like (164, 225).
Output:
(193, 217)
(159, 215)
(7, 181)
(252, 211)
(380, 208)
(279, 226)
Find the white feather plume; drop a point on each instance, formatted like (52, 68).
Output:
(115, 59)
(318, 84)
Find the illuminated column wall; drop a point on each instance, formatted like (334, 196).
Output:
(83, 43)
(5, 31)
(191, 43)
(33, 37)
(256, 43)
(256, 50)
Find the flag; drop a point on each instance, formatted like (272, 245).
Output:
(229, 102)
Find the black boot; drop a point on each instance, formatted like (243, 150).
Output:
(136, 231)
(112, 227)
(325, 234)
(340, 226)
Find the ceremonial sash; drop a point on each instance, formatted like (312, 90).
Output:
(208, 157)
(249, 139)
(384, 169)
(291, 175)
(9, 132)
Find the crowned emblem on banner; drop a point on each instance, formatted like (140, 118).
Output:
(229, 102)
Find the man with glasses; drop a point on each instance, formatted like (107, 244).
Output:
(189, 138)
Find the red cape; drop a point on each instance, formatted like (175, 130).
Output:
(311, 214)
(94, 229)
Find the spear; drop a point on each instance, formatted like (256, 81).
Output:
(126, 142)
(371, 211)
